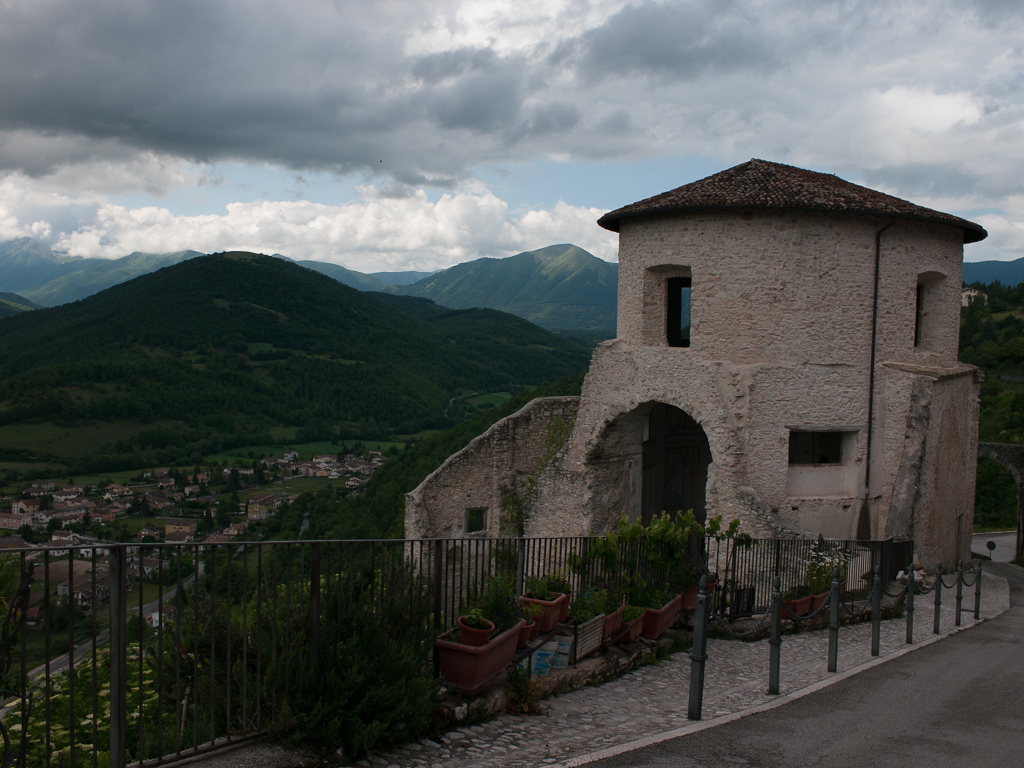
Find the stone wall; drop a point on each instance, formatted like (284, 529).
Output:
(493, 465)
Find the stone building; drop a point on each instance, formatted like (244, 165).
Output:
(786, 355)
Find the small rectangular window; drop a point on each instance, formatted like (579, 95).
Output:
(815, 447)
(476, 520)
(677, 303)
(919, 315)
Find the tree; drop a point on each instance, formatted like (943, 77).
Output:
(54, 524)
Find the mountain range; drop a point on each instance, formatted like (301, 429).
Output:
(1008, 273)
(561, 287)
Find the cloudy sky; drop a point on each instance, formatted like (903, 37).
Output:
(414, 135)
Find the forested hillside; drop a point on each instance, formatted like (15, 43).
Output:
(379, 511)
(222, 350)
(992, 337)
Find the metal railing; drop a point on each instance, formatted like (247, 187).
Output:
(149, 653)
(745, 569)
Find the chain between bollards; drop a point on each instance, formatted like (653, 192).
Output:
(775, 640)
(938, 597)
(699, 654)
(833, 623)
(910, 604)
(876, 610)
(977, 593)
(959, 589)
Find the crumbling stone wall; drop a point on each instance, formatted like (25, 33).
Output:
(491, 467)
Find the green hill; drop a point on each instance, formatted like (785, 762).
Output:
(223, 350)
(12, 304)
(560, 287)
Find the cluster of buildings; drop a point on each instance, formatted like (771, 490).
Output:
(355, 470)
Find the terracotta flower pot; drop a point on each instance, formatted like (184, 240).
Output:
(563, 612)
(612, 622)
(471, 635)
(632, 629)
(817, 601)
(552, 610)
(525, 633)
(657, 620)
(689, 599)
(534, 630)
(468, 668)
(798, 607)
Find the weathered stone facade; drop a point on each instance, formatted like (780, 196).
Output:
(782, 330)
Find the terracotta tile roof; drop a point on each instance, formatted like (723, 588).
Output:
(762, 184)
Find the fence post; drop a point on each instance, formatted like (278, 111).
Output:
(521, 567)
(119, 656)
(833, 623)
(775, 640)
(314, 604)
(938, 597)
(876, 610)
(699, 654)
(977, 593)
(959, 589)
(438, 554)
(910, 604)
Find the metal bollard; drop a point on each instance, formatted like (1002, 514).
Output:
(876, 610)
(775, 641)
(977, 593)
(699, 653)
(833, 623)
(938, 597)
(959, 589)
(910, 605)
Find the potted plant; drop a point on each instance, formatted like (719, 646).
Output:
(528, 613)
(474, 629)
(798, 600)
(819, 572)
(661, 605)
(632, 623)
(587, 611)
(468, 668)
(538, 593)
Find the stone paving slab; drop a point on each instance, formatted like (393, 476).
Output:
(653, 700)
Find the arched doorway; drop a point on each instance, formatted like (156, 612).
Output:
(676, 456)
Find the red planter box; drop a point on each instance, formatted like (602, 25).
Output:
(612, 622)
(553, 611)
(468, 668)
(632, 629)
(657, 620)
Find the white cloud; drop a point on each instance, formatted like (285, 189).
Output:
(375, 233)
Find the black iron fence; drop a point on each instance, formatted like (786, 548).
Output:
(154, 652)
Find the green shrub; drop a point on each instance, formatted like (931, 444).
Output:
(372, 686)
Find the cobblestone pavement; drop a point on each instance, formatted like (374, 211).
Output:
(653, 699)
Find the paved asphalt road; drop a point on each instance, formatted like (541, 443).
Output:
(954, 703)
(1005, 545)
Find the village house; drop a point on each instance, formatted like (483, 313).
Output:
(178, 537)
(786, 355)
(13, 522)
(84, 592)
(968, 295)
(25, 506)
(181, 526)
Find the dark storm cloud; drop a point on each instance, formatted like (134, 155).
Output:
(680, 41)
